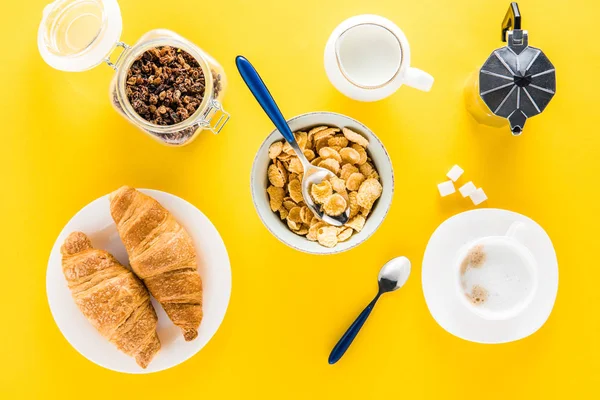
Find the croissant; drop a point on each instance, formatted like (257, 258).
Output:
(111, 298)
(162, 254)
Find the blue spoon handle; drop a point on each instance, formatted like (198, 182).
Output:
(263, 96)
(346, 340)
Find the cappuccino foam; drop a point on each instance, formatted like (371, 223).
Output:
(494, 277)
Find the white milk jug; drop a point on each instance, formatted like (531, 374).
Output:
(367, 58)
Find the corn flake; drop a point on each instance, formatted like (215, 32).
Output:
(319, 144)
(275, 149)
(325, 133)
(334, 205)
(314, 229)
(294, 226)
(315, 130)
(306, 215)
(354, 181)
(356, 223)
(362, 152)
(353, 204)
(275, 197)
(294, 215)
(283, 213)
(295, 165)
(287, 149)
(289, 204)
(328, 152)
(347, 170)
(344, 194)
(309, 154)
(339, 141)
(284, 156)
(344, 234)
(369, 191)
(303, 230)
(349, 155)
(276, 177)
(365, 211)
(282, 169)
(327, 236)
(355, 137)
(338, 184)
(302, 139)
(330, 164)
(366, 169)
(321, 191)
(295, 189)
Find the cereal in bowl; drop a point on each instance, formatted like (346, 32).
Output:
(355, 185)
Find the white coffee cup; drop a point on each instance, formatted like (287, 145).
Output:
(367, 58)
(496, 276)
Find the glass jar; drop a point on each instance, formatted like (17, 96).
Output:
(77, 35)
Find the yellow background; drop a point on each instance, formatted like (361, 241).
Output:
(63, 146)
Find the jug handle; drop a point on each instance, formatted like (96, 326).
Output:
(418, 79)
(512, 20)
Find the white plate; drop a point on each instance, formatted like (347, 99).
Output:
(439, 282)
(213, 264)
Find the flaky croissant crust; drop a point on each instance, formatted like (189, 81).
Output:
(162, 254)
(111, 298)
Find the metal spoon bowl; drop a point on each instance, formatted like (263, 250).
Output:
(312, 174)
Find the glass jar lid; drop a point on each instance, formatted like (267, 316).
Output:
(76, 35)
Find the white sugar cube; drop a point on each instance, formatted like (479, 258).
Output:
(446, 188)
(478, 196)
(455, 173)
(467, 189)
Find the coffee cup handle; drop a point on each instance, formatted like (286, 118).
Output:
(418, 79)
(516, 231)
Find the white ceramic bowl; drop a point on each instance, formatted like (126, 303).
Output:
(279, 228)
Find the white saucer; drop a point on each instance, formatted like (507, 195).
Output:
(438, 280)
(95, 221)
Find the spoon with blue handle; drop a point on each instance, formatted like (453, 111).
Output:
(312, 174)
(392, 277)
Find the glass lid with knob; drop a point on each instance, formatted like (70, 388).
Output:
(76, 35)
(517, 81)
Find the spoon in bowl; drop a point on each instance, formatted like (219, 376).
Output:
(392, 276)
(313, 175)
